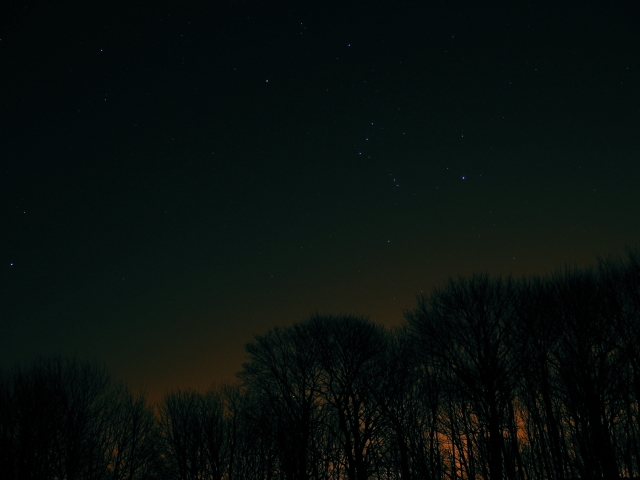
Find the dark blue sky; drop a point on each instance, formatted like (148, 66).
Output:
(176, 179)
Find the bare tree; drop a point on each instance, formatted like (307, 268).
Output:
(194, 435)
(260, 439)
(181, 426)
(620, 282)
(352, 351)
(467, 325)
(413, 408)
(588, 363)
(538, 340)
(490, 379)
(35, 410)
(130, 437)
(214, 432)
(234, 403)
(59, 418)
(284, 370)
(8, 427)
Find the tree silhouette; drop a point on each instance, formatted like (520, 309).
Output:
(620, 286)
(193, 430)
(489, 378)
(588, 361)
(468, 326)
(234, 404)
(284, 370)
(413, 407)
(63, 418)
(131, 437)
(351, 351)
(537, 341)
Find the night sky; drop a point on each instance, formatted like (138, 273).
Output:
(176, 179)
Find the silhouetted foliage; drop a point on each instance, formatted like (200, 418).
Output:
(468, 327)
(285, 374)
(490, 378)
(66, 419)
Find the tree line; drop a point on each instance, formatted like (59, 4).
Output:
(488, 378)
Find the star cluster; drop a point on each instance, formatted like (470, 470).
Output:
(176, 179)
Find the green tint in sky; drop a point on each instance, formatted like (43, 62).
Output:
(176, 179)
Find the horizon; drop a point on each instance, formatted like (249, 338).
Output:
(156, 398)
(178, 178)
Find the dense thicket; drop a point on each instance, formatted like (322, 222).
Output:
(490, 378)
(65, 419)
